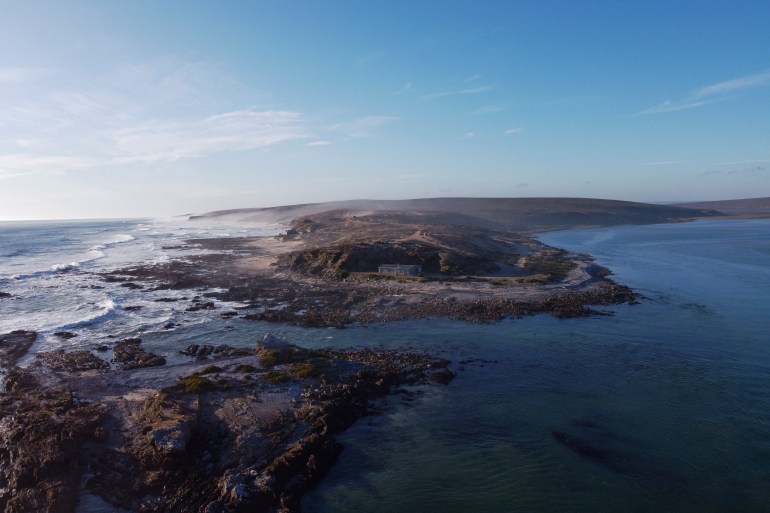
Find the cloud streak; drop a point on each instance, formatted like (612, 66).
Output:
(167, 141)
(113, 122)
(158, 141)
(458, 92)
(362, 127)
(711, 93)
(16, 76)
(757, 80)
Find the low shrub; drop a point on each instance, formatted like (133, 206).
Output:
(269, 358)
(211, 369)
(303, 370)
(195, 384)
(276, 377)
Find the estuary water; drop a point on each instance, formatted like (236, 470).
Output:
(662, 407)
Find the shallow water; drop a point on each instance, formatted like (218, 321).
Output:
(668, 399)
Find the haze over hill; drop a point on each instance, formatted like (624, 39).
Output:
(731, 206)
(522, 214)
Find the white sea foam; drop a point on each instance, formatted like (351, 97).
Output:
(120, 238)
(103, 309)
(63, 267)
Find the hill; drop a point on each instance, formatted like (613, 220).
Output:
(749, 205)
(519, 214)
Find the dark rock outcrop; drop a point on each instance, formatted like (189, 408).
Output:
(14, 345)
(72, 361)
(42, 433)
(129, 354)
(203, 351)
(190, 454)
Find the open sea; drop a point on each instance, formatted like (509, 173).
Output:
(666, 404)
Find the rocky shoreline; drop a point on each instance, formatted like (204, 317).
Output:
(235, 430)
(232, 430)
(323, 273)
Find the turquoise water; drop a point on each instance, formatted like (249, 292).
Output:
(669, 400)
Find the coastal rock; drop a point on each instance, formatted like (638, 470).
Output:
(66, 335)
(131, 285)
(220, 351)
(72, 361)
(129, 355)
(201, 305)
(42, 433)
(171, 439)
(14, 345)
(5, 294)
(225, 450)
(441, 376)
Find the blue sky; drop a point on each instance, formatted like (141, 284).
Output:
(143, 108)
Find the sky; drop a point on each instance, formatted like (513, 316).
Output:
(143, 108)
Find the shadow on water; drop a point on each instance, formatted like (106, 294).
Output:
(618, 453)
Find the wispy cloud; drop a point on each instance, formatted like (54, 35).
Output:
(735, 162)
(458, 92)
(669, 106)
(512, 131)
(757, 80)
(362, 127)
(404, 88)
(664, 163)
(15, 76)
(711, 93)
(156, 112)
(167, 141)
(25, 163)
(319, 143)
(159, 141)
(469, 135)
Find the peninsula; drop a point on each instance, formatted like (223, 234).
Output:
(477, 259)
(251, 429)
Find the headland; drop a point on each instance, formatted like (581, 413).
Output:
(234, 429)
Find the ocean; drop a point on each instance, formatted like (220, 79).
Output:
(662, 406)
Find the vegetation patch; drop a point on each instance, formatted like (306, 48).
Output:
(245, 368)
(276, 377)
(211, 369)
(303, 370)
(195, 384)
(270, 358)
(290, 354)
